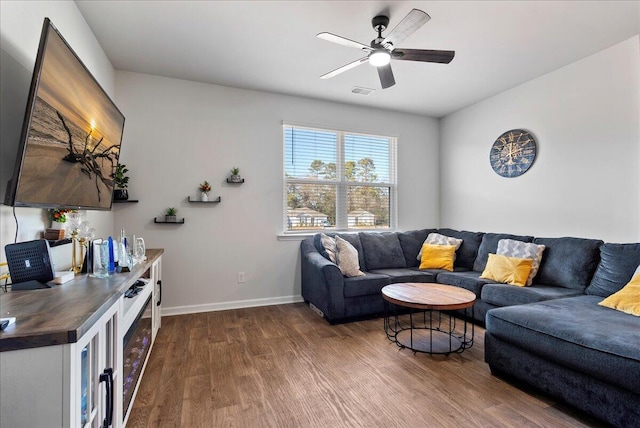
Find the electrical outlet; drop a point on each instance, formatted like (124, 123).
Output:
(240, 277)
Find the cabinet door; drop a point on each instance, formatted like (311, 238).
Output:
(157, 296)
(97, 369)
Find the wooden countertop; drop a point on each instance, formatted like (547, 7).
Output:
(63, 313)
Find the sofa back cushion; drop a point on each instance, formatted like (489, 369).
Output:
(382, 250)
(568, 262)
(411, 243)
(468, 251)
(489, 244)
(616, 267)
(317, 242)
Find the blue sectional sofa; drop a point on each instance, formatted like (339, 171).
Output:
(552, 334)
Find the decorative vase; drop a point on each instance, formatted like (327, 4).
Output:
(120, 194)
(204, 196)
(235, 178)
(170, 218)
(58, 225)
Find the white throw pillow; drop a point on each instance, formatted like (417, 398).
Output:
(438, 239)
(522, 250)
(329, 245)
(347, 258)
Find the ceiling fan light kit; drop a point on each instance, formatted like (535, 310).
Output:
(382, 50)
(379, 57)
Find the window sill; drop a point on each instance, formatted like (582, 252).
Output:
(294, 236)
(303, 235)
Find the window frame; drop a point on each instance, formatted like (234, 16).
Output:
(342, 185)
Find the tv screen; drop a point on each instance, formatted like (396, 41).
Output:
(71, 134)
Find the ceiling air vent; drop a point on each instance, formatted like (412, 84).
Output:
(361, 91)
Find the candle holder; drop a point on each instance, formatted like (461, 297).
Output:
(76, 225)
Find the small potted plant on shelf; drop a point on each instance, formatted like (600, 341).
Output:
(205, 188)
(170, 215)
(58, 219)
(121, 181)
(235, 175)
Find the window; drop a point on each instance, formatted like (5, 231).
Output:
(338, 180)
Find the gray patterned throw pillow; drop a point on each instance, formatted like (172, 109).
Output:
(438, 239)
(522, 250)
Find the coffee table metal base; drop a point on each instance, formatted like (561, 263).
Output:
(431, 331)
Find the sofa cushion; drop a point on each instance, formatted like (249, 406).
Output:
(468, 280)
(439, 239)
(507, 295)
(382, 250)
(617, 263)
(438, 257)
(406, 275)
(347, 258)
(435, 272)
(489, 244)
(370, 283)
(582, 336)
(523, 250)
(411, 243)
(510, 270)
(353, 239)
(627, 299)
(468, 251)
(327, 246)
(568, 262)
(317, 242)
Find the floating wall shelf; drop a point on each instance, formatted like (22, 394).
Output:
(155, 220)
(214, 201)
(235, 182)
(56, 242)
(128, 201)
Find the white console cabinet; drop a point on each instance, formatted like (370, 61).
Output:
(62, 385)
(61, 364)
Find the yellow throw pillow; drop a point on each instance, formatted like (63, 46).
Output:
(509, 270)
(437, 257)
(627, 299)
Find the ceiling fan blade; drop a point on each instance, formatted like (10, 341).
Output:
(386, 76)
(414, 20)
(345, 68)
(424, 55)
(342, 41)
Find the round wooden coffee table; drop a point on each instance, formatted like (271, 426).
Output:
(429, 326)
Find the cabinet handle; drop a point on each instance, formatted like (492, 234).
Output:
(107, 378)
(160, 293)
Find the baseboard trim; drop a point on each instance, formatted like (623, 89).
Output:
(238, 304)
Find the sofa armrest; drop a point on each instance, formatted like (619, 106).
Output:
(322, 281)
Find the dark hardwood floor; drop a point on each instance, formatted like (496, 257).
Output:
(283, 366)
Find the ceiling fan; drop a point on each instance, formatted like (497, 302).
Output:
(383, 50)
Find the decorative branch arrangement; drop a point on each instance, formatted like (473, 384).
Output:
(88, 157)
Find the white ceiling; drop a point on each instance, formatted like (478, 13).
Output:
(272, 45)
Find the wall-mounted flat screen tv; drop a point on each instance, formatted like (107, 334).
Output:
(71, 134)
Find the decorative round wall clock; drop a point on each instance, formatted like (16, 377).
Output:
(513, 153)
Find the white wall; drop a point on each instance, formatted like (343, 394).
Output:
(20, 28)
(179, 133)
(585, 181)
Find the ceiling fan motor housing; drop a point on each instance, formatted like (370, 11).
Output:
(380, 23)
